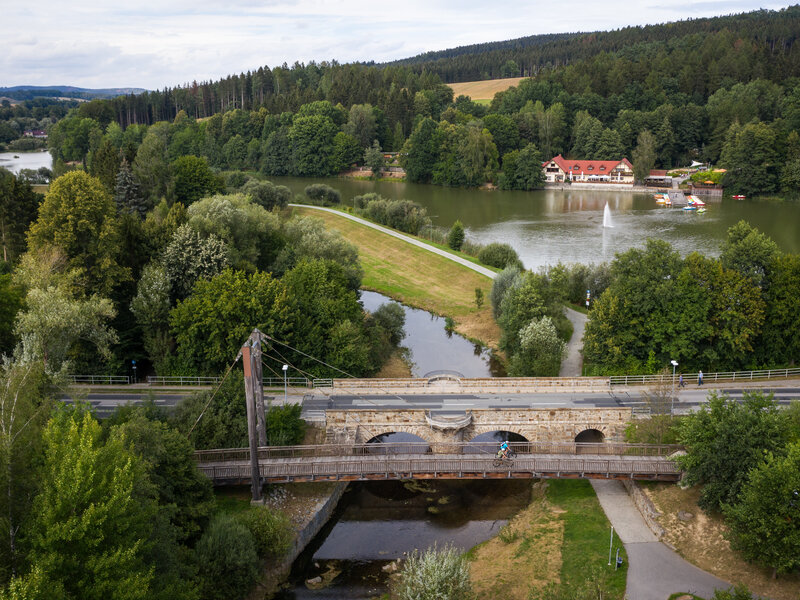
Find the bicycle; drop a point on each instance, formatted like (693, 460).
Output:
(504, 461)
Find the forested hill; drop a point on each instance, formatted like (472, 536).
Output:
(772, 33)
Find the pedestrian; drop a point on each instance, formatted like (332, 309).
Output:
(700, 378)
(680, 381)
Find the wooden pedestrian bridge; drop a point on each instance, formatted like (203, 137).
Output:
(410, 460)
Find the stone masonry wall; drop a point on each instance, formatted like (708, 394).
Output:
(535, 425)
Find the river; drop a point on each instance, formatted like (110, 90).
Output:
(431, 348)
(548, 226)
(378, 522)
(15, 161)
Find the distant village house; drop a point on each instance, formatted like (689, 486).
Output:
(560, 170)
(35, 133)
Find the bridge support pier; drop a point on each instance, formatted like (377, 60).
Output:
(254, 401)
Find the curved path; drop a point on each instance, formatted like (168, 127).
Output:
(572, 365)
(654, 571)
(406, 238)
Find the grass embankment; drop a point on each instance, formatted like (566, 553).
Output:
(483, 90)
(418, 278)
(561, 538)
(700, 540)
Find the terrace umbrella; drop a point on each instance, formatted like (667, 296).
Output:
(709, 181)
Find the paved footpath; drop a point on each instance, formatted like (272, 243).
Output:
(406, 238)
(572, 365)
(654, 571)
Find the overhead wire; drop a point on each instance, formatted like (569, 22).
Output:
(202, 412)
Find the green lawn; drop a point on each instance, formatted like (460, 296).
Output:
(586, 535)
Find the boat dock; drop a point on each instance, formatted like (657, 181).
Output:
(678, 199)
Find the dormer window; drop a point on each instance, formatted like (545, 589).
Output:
(591, 168)
(602, 168)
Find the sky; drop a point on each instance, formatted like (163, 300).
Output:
(165, 43)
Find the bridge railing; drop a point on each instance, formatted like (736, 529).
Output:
(398, 467)
(100, 379)
(723, 376)
(421, 448)
(181, 380)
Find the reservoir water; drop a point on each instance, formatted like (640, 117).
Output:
(548, 226)
(15, 161)
(432, 348)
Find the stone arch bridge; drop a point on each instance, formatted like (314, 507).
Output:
(557, 425)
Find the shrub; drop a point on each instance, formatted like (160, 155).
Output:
(271, 530)
(284, 425)
(502, 283)
(403, 215)
(322, 195)
(499, 256)
(267, 194)
(455, 238)
(434, 575)
(235, 180)
(227, 554)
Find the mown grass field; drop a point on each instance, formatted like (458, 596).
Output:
(561, 538)
(418, 278)
(483, 90)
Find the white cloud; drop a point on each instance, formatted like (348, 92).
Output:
(154, 43)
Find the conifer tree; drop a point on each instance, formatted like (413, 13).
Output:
(127, 193)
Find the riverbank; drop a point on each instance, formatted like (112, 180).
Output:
(309, 507)
(561, 539)
(699, 538)
(418, 278)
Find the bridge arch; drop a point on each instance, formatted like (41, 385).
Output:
(403, 442)
(499, 436)
(590, 435)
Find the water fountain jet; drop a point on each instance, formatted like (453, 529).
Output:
(607, 217)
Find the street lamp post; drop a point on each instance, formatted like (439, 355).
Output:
(285, 370)
(672, 398)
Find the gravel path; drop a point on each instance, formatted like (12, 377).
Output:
(572, 365)
(654, 571)
(401, 236)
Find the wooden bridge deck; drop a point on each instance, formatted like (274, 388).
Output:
(442, 466)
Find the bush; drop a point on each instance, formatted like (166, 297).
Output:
(434, 575)
(322, 195)
(403, 215)
(502, 283)
(235, 180)
(228, 559)
(392, 318)
(284, 425)
(271, 530)
(455, 238)
(267, 194)
(499, 256)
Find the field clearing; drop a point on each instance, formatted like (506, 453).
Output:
(700, 541)
(418, 278)
(483, 90)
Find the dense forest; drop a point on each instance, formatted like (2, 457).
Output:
(721, 90)
(771, 34)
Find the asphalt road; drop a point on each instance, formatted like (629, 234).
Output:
(688, 399)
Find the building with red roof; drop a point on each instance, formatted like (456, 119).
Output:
(560, 170)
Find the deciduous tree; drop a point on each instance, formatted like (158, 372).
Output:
(79, 217)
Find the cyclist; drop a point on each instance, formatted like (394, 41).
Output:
(503, 453)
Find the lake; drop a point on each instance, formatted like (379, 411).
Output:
(548, 226)
(15, 161)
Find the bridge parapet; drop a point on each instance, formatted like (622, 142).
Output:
(479, 385)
